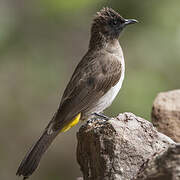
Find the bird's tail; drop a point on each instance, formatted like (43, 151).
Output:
(33, 157)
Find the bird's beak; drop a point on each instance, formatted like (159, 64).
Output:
(130, 21)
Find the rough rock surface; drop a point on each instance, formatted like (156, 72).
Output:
(163, 166)
(166, 114)
(120, 149)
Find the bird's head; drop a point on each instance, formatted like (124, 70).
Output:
(109, 23)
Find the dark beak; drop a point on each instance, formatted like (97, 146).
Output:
(130, 21)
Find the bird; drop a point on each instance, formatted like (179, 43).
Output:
(92, 88)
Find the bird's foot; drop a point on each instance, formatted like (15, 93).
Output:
(97, 117)
(91, 120)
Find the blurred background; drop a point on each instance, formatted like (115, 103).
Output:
(42, 41)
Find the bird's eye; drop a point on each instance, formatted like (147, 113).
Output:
(115, 22)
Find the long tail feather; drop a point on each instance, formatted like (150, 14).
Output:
(33, 157)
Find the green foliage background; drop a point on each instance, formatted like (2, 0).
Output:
(42, 41)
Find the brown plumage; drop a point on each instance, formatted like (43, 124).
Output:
(92, 87)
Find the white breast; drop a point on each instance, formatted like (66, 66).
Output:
(108, 98)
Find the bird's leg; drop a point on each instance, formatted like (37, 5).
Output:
(91, 120)
(102, 116)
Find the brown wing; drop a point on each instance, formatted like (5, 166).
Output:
(92, 78)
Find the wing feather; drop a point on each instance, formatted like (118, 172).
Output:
(90, 81)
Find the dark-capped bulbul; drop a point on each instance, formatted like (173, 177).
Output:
(92, 88)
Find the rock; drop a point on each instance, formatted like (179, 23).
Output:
(166, 114)
(119, 149)
(162, 166)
